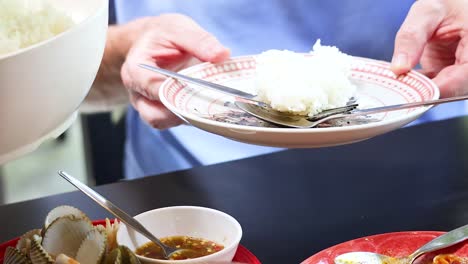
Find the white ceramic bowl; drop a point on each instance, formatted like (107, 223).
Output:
(42, 86)
(192, 221)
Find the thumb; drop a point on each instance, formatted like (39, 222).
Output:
(420, 24)
(190, 37)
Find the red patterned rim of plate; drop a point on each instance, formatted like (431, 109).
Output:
(363, 69)
(396, 244)
(242, 253)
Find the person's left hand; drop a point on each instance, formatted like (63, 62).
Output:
(435, 34)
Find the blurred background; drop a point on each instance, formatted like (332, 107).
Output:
(91, 150)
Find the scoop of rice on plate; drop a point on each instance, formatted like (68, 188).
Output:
(292, 82)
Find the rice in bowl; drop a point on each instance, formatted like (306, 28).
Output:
(306, 85)
(26, 22)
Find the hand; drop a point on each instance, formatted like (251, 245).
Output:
(168, 41)
(435, 34)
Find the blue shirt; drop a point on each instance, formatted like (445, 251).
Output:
(364, 28)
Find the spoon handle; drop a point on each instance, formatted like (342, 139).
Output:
(375, 110)
(210, 85)
(448, 239)
(116, 211)
(407, 105)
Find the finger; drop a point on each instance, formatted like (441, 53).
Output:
(453, 81)
(190, 37)
(420, 24)
(428, 73)
(154, 112)
(461, 53)
(140, 80)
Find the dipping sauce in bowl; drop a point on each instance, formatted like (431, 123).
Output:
(175, 223)
(197, 247)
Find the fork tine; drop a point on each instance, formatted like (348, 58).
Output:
(333, 111)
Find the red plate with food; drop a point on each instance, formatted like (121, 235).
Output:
(398, 244)
(242, 255)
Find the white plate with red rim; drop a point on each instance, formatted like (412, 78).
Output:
(215, 112)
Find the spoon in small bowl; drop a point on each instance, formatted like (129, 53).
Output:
(444, 241)
(249, 103)
(120, 214)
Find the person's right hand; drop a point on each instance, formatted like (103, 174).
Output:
(169, 41)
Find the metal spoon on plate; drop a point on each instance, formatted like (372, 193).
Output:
(444, 241)
(252, 105)
(297, 121)
(120, 214)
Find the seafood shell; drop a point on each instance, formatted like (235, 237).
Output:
(65, 235)
(92, 250)
(111, 230)
(61, 211)
(14, 256)
(24, 243)
(128, 257)
(64, 259)
(37, 254)
(114, 257)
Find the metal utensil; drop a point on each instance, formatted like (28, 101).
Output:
(446, 240)
(298, 121)
(119, 213)
(218, 87)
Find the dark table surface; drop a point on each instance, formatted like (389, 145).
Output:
(307, 200)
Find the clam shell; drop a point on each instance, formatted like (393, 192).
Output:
(61, 211)
(92, 250)
(37, 254)
(14, 256)
(65, 235)
(128, 257)
(24, 243)
(101, 229)
(111, 230)
(64, 259)
(114, 257)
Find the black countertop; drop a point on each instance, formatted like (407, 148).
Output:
(304, 199)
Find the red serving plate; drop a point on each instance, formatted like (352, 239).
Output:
(242, 255)
(398, 244)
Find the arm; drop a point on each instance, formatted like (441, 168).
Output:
(108, 90)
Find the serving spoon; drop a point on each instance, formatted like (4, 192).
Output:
(249, 103)
(446, 240)
(120, 214)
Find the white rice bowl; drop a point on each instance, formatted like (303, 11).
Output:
(306, 85)
(51, 52)
(26, 22)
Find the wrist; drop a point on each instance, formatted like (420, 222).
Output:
(122, 37)
(117, 45)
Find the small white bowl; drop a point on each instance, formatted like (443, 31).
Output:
(41, 86)
(191, 221)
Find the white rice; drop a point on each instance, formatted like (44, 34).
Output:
(291, 82)
(27, 22)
